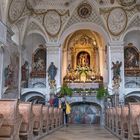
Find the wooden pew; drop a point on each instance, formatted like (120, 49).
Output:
(45, 126)
(134, 111)
(124, 122)
(114, 119)
(56, 117)
(60, 113)
(26, 129)
(118, 120)
(12, 120)
(1, 119)
(51, 118)
(138, 121)
(38, 119)
(107, 118)
(110, 119)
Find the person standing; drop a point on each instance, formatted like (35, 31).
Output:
(56, 101)
(66, 110)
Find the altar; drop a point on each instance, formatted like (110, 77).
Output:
(83, 69)
(83, 85)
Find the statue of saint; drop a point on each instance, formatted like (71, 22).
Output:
(116, 70)
(52, 71)
(83, 60)
(9, 74)
(25, 71)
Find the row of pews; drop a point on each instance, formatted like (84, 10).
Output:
(27, 121)
(124, 121)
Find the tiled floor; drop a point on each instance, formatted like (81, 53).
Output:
(81, 132)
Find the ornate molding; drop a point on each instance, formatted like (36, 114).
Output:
(94, 17)
(127, 2)
(134, 23)
(16, 10)
(117, 21)
(52, 22)
(84, 10)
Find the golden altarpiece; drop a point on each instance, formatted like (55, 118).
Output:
(83, 61)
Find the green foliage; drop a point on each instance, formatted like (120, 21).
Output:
(66, 91)
(101, 93)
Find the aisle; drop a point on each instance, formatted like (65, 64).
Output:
(81, 132)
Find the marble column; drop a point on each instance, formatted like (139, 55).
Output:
(116, 53)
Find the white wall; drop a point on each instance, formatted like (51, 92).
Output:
(133, 37)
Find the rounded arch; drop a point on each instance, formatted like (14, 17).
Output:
(132, 28)
(132, 97)
(37, 32)
(43, 33)
(85, 25)
(33, 96)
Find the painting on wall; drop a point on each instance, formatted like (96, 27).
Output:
(85, 114)
(131, 57)
(131, 60)
(39, 63)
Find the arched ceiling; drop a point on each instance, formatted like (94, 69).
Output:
(53, 17)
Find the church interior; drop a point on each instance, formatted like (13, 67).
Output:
(84, 53)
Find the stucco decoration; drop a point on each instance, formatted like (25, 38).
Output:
(52, 22)
(37, 83)
(127, 2)
(116, 21)
(84, 10)
(32, 3)
(134, 23)
(16, 9)
(94, 17)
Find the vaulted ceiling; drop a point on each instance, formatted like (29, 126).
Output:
(52, 17)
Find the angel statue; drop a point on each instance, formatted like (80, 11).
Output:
(116, 70)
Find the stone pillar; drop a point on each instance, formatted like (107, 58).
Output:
(53, 55)
(1, 71)
(116, 53)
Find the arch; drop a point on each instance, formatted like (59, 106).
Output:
(37, 32)
(43, 33)
(31, 94)
(85, 25)
(132, 28)
(132, 97)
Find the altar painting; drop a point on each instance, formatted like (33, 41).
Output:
(85, 114)
(39, 63)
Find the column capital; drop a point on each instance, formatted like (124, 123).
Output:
(116, 43)
(53, 44)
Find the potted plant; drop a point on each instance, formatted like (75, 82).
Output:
(65, 91)
(101, 93)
